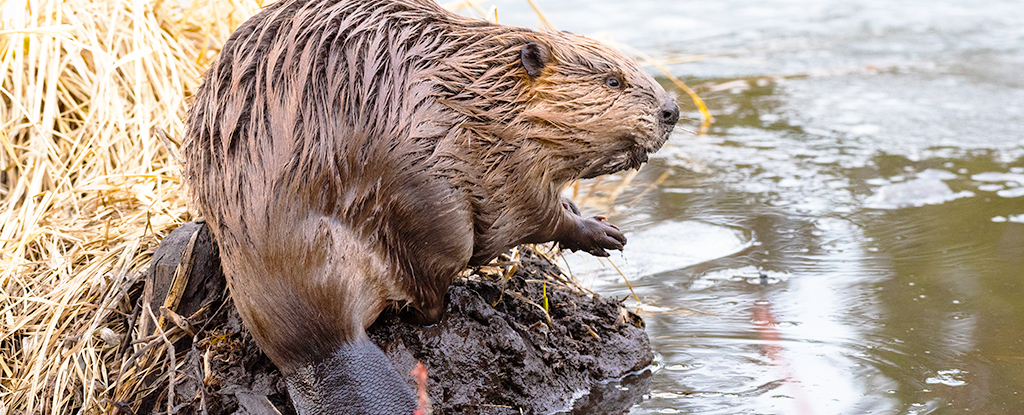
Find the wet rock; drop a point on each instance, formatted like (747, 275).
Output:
(194, 242)
(529, 343)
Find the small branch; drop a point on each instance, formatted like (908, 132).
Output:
(626, 280)
(174, 365)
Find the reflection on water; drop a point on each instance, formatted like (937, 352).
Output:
(831, 307)
(853, 241)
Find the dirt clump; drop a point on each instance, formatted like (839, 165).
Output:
(497, 350)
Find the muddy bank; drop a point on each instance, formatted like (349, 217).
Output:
(526, 343)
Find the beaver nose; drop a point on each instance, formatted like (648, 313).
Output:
(669, 113)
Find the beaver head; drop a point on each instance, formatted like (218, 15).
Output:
(607, 109)
(581, 105)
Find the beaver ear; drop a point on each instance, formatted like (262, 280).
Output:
(534, 58)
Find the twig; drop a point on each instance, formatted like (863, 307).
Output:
(528, 301)
(626, 280)
(165, 139)
(545, 23)
(174, 365)
(544, 290)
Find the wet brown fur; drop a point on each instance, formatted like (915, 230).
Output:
(356, 153)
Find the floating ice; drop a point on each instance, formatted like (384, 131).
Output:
(666, 247)
(1011, 193)
(917, 192)
(999, 177)
(947, 377)
(937, 174)
(1012, 218)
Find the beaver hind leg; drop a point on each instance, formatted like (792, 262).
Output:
(357, 377)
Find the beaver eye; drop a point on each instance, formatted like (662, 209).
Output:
(613, 82)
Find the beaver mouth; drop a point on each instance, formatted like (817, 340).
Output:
(629, 158)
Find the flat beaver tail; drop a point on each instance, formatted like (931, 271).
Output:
(306, 287)
(357, 377)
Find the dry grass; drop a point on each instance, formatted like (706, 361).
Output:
(86, 190)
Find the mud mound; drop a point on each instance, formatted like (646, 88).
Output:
(516, 338)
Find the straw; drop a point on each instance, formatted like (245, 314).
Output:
(86, 190)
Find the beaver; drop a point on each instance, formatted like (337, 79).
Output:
(350, 155)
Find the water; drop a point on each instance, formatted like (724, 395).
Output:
(849, 237)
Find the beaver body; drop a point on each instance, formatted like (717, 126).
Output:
(353, 154)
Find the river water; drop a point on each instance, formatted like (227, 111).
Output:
(848, 238)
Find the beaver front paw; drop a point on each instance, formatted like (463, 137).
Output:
(593, 236)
